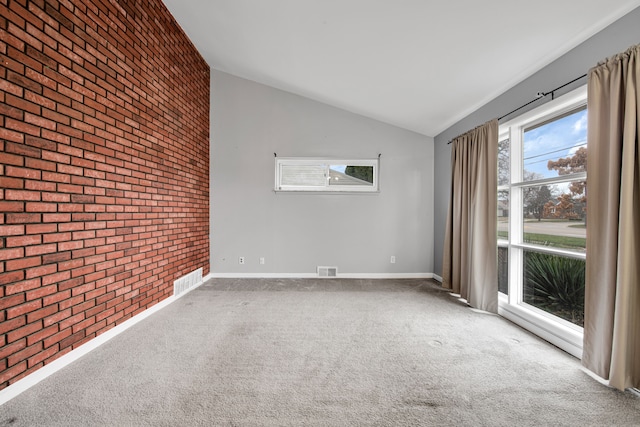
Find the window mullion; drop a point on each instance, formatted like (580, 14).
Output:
(515, 215)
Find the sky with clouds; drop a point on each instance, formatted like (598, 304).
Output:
(551, 141)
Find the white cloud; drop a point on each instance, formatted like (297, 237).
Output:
(581, 124)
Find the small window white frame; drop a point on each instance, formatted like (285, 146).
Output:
(321, 166)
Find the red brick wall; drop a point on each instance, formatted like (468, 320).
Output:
(104, 170)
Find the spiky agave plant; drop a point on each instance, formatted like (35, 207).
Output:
(556, 284)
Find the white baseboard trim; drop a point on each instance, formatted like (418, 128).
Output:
(47, 370)
(595, 376)
(315, 276)
(436, 277)
(263, 275)
(598, 378)
(386, 275)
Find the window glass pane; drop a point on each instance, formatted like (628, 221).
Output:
(555, 215)
(350, 175)
(503, 162)
(303, 175)
(503, 270)
(503, 214)
(556, 148)
(555, 284)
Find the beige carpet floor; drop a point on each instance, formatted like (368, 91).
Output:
(257, 352)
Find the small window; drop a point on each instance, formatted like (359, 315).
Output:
(327, 175)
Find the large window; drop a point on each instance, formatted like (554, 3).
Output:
(542, 219)
(326, 175)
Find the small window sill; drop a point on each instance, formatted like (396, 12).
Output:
(345, 192)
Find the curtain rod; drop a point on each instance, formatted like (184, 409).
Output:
(538, 96)
(542, 95)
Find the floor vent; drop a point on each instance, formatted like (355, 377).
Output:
(327, 271)
(187, 282)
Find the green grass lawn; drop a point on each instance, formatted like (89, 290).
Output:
(564, 242)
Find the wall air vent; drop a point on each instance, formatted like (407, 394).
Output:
(187, 282)
(327, 271)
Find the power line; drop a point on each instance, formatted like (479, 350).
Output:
(555, 151)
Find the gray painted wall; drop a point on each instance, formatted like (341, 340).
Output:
(358, 233)
(615, 38)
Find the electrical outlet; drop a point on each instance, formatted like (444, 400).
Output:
(393, 259)
(241, 260)
(262, 260)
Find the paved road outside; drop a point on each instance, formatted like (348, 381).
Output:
(553, 228)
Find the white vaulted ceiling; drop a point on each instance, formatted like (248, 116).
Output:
(418, 64)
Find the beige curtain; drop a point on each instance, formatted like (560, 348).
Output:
(470, 251)
(612, 295)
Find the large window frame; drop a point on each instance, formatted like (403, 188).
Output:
(562, 333)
